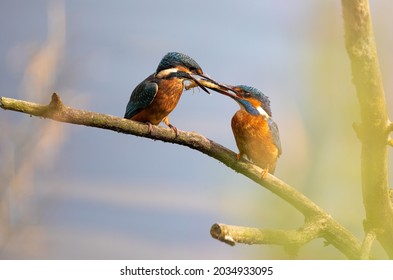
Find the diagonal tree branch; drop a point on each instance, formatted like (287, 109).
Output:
(375, 127)
(333, 232)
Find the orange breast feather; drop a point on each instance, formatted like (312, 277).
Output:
(254, 139)
(166, 99)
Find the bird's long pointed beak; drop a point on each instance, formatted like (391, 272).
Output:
(227, 92)
(199, 84)
(209, 83)
(221, 88)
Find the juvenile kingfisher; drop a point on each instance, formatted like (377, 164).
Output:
(156, 97)
(255, 132)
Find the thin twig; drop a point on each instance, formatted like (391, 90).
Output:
(236, 234)
(366, 245)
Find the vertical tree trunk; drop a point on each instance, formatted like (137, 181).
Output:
(373, 131)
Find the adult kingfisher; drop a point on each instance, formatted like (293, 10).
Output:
(256, 134)
(156, 96)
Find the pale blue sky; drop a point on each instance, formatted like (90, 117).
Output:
(108, 195)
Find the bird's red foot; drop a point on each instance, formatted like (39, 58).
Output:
(238, 156)
(174, 129)
(150, 128)
(166, 121)
(264, 173)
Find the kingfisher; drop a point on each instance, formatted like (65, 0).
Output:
(256, 134)
(156, 96)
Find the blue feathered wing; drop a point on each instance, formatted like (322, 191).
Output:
(276, 135)
(141, 97)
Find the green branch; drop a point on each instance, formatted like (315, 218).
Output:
(361, 48)
(333, 232)
(367, 243)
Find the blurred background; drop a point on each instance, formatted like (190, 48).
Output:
(71, 192)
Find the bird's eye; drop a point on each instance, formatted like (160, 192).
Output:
(246, 94)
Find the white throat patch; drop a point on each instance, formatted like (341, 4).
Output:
(166, 72)
(262, 112)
